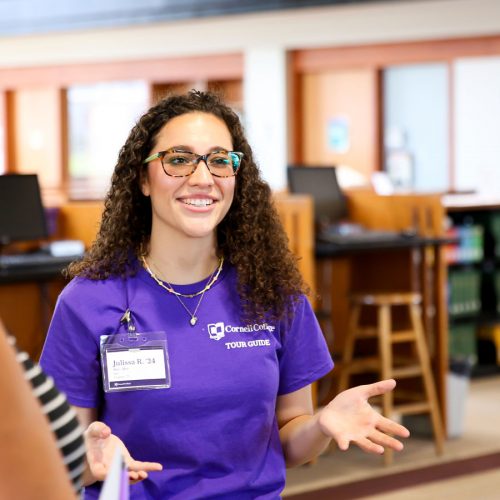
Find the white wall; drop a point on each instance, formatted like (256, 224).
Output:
(477, 124)
(266, 111)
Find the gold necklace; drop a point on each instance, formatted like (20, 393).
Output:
(211, 281)
(178, 295)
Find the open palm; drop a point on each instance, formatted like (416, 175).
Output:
(350, 418)
(101, 446)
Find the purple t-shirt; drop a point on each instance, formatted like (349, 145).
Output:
(214, 430)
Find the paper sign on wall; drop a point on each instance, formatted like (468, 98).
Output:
(338, 134)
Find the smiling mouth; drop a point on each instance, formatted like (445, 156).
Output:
(198, 202)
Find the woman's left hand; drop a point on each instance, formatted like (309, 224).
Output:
(101, 447)
(350, 418)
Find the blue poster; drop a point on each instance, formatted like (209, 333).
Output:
(338, 135)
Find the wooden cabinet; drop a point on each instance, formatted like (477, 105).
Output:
(26, 305)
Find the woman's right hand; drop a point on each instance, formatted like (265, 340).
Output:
(101, 446)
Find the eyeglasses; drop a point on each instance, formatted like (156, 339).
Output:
(178, 163)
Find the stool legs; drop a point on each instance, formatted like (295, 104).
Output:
(383, 363)
(385, 352)
(348, 351)
(430, 390)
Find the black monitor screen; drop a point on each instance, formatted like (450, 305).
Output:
(22, 217)
(330, 205)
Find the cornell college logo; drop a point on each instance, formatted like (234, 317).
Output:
(216, 330)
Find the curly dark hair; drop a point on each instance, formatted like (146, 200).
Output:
(250, 237)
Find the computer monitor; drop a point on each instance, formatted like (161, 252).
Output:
(330, 204)
(22, 217)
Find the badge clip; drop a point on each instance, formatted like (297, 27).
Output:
(127, 318)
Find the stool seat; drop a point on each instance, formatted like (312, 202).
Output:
(385, 363)
(393, 299)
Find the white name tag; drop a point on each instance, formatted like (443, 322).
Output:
(143, 366)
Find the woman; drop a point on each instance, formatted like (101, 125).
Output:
(186, 329)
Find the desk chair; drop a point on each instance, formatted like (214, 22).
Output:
(386, 364)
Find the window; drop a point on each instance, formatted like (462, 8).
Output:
(416, 135)
(100, 117)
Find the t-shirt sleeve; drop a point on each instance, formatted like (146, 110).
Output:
(304, 356)
(71, 352)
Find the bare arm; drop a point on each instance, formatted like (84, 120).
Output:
(85, 417)
(347, 418)
(300, 435)
(101, 446)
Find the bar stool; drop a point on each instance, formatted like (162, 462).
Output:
(386, 364)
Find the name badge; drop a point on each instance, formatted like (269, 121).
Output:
(134, 361)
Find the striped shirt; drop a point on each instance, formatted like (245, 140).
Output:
(62, 418)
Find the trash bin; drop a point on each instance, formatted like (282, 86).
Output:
(457, 389)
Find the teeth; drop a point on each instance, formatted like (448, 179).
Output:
(198, 202)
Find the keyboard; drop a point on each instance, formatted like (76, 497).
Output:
(365, 236)
(34, 260)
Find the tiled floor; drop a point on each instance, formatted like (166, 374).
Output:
(481, 435)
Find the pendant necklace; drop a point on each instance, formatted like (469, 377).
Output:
(213, 278)
(194, 318)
